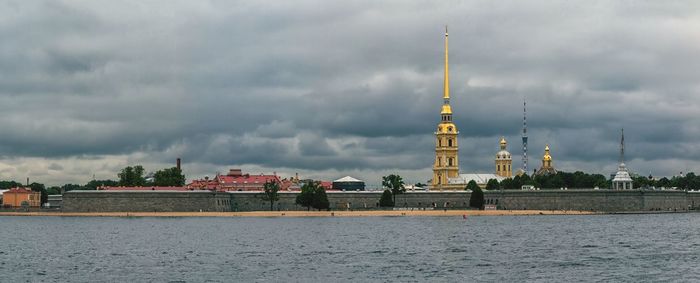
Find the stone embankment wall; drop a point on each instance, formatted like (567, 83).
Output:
(145, 201)
(249, 201)
(596, 200)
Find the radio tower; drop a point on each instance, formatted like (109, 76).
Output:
(524, 137)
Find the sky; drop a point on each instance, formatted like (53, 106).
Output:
(328, 89)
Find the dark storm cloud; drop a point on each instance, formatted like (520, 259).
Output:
(328, 87)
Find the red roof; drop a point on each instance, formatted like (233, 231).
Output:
(20, 191)
(247, 179)
(327, 185)
(203, 185)
(144, 189)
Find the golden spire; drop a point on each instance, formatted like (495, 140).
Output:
(503, 143)
(446, 86)
(446, 109)
(546, 153)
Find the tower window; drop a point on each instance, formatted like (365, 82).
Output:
(449, 161)
(439, 142)
(449, 142)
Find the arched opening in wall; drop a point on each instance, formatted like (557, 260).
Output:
(449, 142)
(449, 161)
(498, 167)
(439, 142)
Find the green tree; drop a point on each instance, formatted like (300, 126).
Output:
(271, 193)
(395, 184)
(169, 177)
(386, 199)
(554, 182)
(53, 190)
(471, 186)
(679, 182)
(37, 187)
(492, 184)
(663, 182)
(320, 199)
(94, 184)
(476, 199)
(132, 176)
(70, 187)
(6, 185)
(509, 184)
(306, 197)
(692, 181)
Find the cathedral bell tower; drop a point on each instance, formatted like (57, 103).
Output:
(504, 160)
(446, 164)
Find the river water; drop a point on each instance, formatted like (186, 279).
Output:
(602, 248)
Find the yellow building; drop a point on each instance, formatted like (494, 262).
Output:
(547, 167)
(15, 196)
(446, 164)
(504, 161)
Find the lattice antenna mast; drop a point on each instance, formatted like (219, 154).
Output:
(622, 147)
(524, 136)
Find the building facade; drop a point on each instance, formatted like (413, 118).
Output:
(446, 163)
(504, 161)
(16, 196)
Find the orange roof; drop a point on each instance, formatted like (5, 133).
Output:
(20, 191)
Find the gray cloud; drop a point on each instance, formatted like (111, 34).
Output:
(330, 89)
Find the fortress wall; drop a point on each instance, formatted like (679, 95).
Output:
(665, 200)
(144, 201)
(596, 200)
(693, 200)
(356, 200)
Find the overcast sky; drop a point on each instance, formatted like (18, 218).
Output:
(331, 89)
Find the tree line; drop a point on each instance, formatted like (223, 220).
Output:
(581, 180)
(129, 176)
(689, 181)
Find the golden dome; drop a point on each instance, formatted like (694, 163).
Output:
(446, 109)
(546, 156)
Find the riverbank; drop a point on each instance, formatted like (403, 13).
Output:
(364, 213)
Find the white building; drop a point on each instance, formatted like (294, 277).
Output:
(480, 179)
